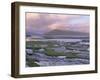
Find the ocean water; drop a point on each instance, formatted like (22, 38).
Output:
(62, 40)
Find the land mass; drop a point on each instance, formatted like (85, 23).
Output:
(66, 34)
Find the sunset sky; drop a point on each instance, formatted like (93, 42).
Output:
(40, 23)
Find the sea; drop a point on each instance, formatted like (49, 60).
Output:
(62, 40)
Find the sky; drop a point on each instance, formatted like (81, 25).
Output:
(40, 23)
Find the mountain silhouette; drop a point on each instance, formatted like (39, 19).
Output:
(65, 34)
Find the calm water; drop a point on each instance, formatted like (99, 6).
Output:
(65, 40)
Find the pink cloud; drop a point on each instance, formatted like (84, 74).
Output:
(61, 26)
(44, 22)
(33, 16)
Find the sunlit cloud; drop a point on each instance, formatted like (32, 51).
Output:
(60, 26)
(32, 16)
(42, 22)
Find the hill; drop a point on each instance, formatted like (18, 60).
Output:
(65, 34)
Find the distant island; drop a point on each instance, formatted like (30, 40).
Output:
(59, 34)
(66, 34)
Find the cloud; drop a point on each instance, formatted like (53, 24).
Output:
(58, 25)
(32, 16)
(80, 27)
(43, 22)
